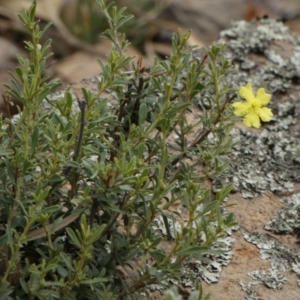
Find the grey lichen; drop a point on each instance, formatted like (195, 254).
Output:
(288, 218)
(281, 259)
(259, 239)
(265, 53)
(263, 160)
(251, 294)
(296, 269)
(273, 279)
(210, 267)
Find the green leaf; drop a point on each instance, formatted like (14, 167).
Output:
(194, 296)
(132, 254)
(158, 254)
(125, 187)
(23, 285)
(9, 171)
(73, 164)
(31, 12)
(3, 240)
(143, 113)
(74, 238)
(196, 250)
(87, 95)
(67, 260)
(152, 270)
(6, 152)
(49, 294)
(166, 222)
(124, 20)
(43, 193)
(42, 95)
(51, 264)
(50, 209)
(204, 225)
(56, 178)
(88, 165)
(62, 271)
(19, 72)
(209, 207)
(224, 192)
(94, 280)
(141, 150)
(18, 220)
(35, 138)
(97, 233)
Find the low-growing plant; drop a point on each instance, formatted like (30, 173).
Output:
(104, 197)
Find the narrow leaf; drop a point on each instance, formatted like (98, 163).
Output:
(73, 237)
(193, 251)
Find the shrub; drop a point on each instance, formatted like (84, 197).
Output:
(84, 185)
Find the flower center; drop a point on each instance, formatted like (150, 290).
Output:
(255, 103)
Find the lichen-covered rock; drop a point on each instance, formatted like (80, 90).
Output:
(288, 219)
(266, 53)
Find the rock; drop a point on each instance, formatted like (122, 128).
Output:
(266, 53)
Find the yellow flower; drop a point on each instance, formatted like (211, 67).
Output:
(254, 108)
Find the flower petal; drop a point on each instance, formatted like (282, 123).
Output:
(246, 92)
(265, 114)
(252, 119)
(263, 97)
(241, 108)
